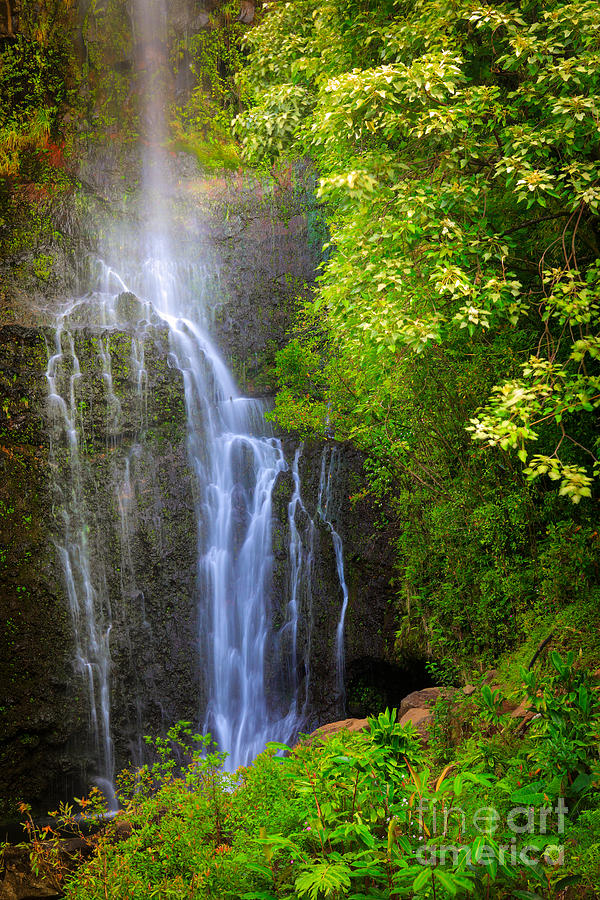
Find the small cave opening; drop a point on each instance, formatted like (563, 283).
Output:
(374, 684)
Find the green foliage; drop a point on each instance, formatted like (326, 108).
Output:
(457, 306)
(36, 74)
(424, 125)
(569, 710)
(38, 84)
(108, 51)
(396, 743)
(201, 124)
(323, 880)
(491, 704)
(334, 819)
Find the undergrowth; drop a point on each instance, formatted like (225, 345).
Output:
(513, 814)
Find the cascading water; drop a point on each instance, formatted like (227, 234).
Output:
(235, 463)
(236, 468)
(301, 569)
(84, 566)
(255, 677)
(89, 606)
(301, 563)
(329, 473)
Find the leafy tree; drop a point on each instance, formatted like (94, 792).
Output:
(457, 146)
(457, 308)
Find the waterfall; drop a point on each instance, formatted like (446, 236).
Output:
(236, 466)
(301, 571)
(85, 567)
(326, 512)
(301, 563)
(235, 460)
(234, 457)
(88, 603)
(255, 675)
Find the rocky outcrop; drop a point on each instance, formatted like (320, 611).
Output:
(39, 712)
(264, 239)
(18, 880)
(453, 717)
(421, 719)
(373, 677)
(258, 250)
(149, 573)
(149, 577)
(423, 699)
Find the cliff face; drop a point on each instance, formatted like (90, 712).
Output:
(123, 510)
(133, 500)
(373, 676)
(119, 506)
(45, 712)
(39, 711)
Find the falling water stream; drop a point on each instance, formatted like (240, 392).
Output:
(235, 461)
(330, 462)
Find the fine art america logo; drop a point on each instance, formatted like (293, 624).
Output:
(527, 846)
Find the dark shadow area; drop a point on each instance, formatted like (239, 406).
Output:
(373, 684)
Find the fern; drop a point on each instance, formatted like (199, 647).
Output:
(323, 880)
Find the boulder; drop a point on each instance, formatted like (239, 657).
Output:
(331, 728)
(522, 710)
(420, 699)
(247, 12)
(524, 714)
(422, 718)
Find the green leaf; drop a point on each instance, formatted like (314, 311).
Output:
(260, 869)
(526, 895)
(529, 794)
(422, 879)
(274, 745)
(259, 895)
(447, 881)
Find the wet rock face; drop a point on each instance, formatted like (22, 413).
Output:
(268, 250)
(368, 561)
(184, 14)
(39, 710)
(149, 580)
(146, 562)
(259, 255)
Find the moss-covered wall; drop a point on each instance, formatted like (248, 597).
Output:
(44, 751)
(40, 711)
